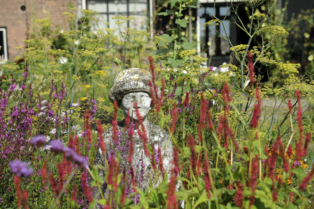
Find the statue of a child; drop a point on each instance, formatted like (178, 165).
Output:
(131, 91)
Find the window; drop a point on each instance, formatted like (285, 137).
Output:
(211, 43)
(3, 45)
(109, 8)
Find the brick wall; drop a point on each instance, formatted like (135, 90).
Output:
(19, 23)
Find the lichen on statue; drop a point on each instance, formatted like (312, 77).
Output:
(134, 135)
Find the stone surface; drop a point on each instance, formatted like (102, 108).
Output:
(130, 87)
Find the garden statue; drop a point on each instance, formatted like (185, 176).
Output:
(131, 90)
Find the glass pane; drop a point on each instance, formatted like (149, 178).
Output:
(223, 11)
(137, 7)
(224, 28)
(211, 11)
(97, 6)
(202, 11)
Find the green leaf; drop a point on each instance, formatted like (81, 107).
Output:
(162, 51)
(102, 201)
(299, 173)
(187, 45)
(168, 12)
(173, 2)
(182, 22)
(291, 206)
(187, 152)
(201, 199)
(191, 6)
(175, 63)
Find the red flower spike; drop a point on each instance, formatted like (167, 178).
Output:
(273, 158)
(132, 179)
(172, 198)
(77, 145)
(191, 144)
(200, 137)
(44, 175)
(161, 164)
(186, 100)
(257, 110)
(290, 106)
(275, 194)
(151, 89)
(238, 198)
(206, 177)
(101, 138)
(153, 161)
(306, 180)
(86, 189)
(174, 118)
(307, 141)
(88, 128)
(210, 124)
(25, 196)
(115, 122)
(53, 184)
(254, 174)
(227, 92)
(71, 142)
(251, 67)
(73, 196)
(17, 187)
(289, 151)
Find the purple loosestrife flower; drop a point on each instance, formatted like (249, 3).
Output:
(38, 141)
(12, 87)
(20, 168)
(57, 146)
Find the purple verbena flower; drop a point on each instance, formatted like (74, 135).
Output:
(57, 146)
(38, 141)
(75, 158)
(20, 168)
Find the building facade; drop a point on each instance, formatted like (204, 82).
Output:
(17, 17)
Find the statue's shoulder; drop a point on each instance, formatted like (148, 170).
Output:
(158, 133)
(107, 136)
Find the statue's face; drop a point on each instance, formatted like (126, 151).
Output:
(143, 101)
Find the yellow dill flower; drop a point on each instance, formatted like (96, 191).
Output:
(87, 86)
(83, 98)
(101, 99)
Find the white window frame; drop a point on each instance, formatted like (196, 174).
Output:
(5, 46)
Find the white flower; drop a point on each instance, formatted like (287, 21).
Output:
(77, 42)
(53, 131)
(47, 138)
(41, 113)
(305, 159)
(80, 134)
(44, 101)
(214, 102)
(75, 104)
(63, 60)
(62, 113)
(61, 31)
(47, 147)
(184, 72)
(64, 132)
(224, 69)
(42, 108)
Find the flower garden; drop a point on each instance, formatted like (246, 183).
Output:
(230, 150)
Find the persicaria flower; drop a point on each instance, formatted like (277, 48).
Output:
(239, 195)
(20, 168)
(290, 106)
(186, 100)
(39, 140)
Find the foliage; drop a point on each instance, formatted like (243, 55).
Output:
(230, 150)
